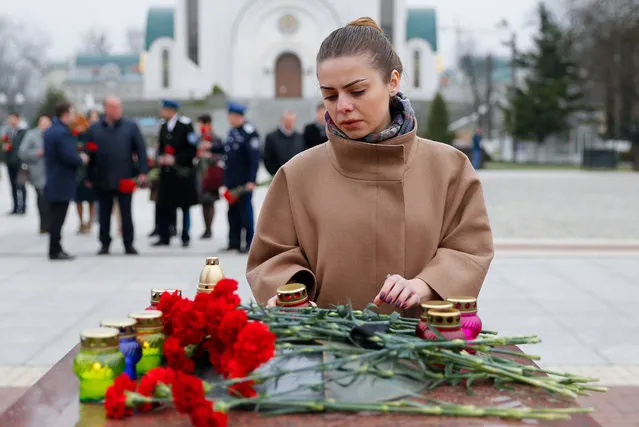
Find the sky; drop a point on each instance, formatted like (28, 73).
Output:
(63, 22)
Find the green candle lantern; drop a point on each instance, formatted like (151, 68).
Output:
(98, 363)
(150, 334)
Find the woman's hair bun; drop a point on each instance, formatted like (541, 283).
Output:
(365, 22)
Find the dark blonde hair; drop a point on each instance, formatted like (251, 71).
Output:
(362, 37)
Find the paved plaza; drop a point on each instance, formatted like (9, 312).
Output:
(582, 303)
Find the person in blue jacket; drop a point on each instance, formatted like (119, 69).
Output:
(242, 150)
(62, 161)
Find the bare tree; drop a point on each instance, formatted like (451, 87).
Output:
(95, 41)
(22, 58)
(478, 71)
(607, 39)
(135, 40)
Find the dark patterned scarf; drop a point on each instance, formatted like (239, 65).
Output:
(403, 122)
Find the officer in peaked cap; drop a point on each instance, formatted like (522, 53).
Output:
(176, 153)
(242, 149)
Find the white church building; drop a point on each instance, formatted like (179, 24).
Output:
(265, 49)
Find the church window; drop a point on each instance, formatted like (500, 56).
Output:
(416, 69)
(193, 30)
(166, 67)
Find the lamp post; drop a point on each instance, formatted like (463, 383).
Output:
(512, 44)
(19, 101)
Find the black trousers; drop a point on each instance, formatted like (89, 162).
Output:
(240, 216)
(106, 208)
(18, 192)
(167, 220)
(43, 210)
(58, 211)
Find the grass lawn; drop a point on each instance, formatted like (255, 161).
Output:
(531, 166)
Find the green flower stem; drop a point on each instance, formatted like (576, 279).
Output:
(414, 408)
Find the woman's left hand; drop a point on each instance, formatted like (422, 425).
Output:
(403, 293)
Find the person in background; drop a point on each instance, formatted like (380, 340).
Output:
(242, 149)
(211, 172)
(178, 186)
(282, 144)
(62, 161)
(11, 146)
(85, 193)
(477, 151)
(32, 153)
(315, 132)
(113, 170)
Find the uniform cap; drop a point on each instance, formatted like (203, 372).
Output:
(236, 108)
(169, 103)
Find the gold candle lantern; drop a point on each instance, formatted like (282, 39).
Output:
(210, 275)
(435, 304)
(292, 295)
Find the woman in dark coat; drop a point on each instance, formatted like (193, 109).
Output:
(85, 193)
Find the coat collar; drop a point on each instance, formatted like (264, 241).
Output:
(384, 161)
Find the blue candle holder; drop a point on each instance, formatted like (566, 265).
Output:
(128, 345)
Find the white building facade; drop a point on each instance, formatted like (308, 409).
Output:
(265, 49)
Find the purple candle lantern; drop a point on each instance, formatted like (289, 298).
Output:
(470, 321)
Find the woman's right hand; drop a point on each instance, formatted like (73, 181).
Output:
(271, 302)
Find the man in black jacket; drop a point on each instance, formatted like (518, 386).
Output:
(112, 168)
(178, 188)
(315, 132)
(282, 144)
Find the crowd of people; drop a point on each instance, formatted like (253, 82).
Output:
(97, 160)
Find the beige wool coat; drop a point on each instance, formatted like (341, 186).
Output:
(343, 215)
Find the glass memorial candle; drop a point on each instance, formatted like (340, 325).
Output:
(447, 321)
(470, 321)
(156, 294)
(210, 275)
(98, 363)
(435, 304)
(129, 345)
(293, 295)
(149, 331)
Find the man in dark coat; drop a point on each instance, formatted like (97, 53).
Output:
(242, 148)
(282, 144)
(117, 139)
(178, 187)
(315, 132)
(62, 160)
(11, 145)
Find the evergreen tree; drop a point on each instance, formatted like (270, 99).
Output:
(438, 120)
(551, 91)
(52, 97)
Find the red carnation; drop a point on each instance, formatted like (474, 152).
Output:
(5, 138)
(215, 349)
(150, 381)
(175, 356)
(254, 346)
(232, 323)
(188, 392)
(169, 149)
(203, 415)
(189, 324)
(115, 397)
(230, 197)
(243, 389)
(91, 147)
(75, 132)
(167, 304)
(127, 186)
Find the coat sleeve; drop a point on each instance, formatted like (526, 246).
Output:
(269, 155)
(140, 148)
(29, 151)
(466, 248)
(186, 153)
(275, 258)
(254, 155)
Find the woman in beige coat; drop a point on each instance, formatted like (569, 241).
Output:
(376, 214)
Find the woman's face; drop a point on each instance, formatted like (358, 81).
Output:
(356, 97)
